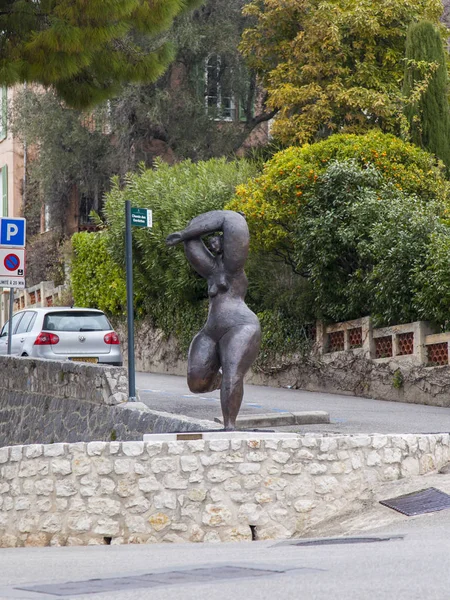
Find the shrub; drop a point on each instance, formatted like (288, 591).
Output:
(273, 201)
(97, 281)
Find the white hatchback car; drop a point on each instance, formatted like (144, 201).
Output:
(63, 333)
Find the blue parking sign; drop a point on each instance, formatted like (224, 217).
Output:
(12, 232)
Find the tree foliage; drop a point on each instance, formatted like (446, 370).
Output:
(332, 66)
(96, 280)
(87, 50)
(72, 155)
(275, 200)
(429, 114)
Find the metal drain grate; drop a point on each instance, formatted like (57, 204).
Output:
(341, 540)
(150, 580)
(419, 503)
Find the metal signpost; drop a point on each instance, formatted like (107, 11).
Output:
(139, 217)
(12, 261)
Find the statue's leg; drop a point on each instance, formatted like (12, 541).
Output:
(203, 365)
(239, 348)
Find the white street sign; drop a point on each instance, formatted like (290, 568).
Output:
(12, 262)
(17, 282)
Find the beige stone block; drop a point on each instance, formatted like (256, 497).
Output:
(220, 475)
(326, 485)
(27, 524)
(166, 464)
(292, 469)
(123, 466)
(213, 460)
(81, 465)
(22, 503)
(44, 487)
(212, 537)
(196, 445)
(248, 469)
(290, 444)
(66, 487)
(36, 540)
(196, 534)
(237, 534)
(219, 445)
(256, 456)
(107, 486)
(4, 455)
(234, 457)
(373, 459)
(54, 450)
(107, 527)
(275, 483)
(136, 524)
(61, 466)
(153, 448)
(427, 464)
(149, 484)
(51, 524)
(33, 451)
(250, 482)
(392, 455)
(15, 454)
(316, 468)
(189, 463)
(216, 515)
(165, 500)
(96, 448)
(197, 494)
(44, 505)
(159, 521)
(133, 448)
(80, 523)
(104, 506)
(263, 497)
(175, 482)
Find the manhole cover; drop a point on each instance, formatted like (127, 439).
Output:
(419, 503)
(341, 540)
(150, 580)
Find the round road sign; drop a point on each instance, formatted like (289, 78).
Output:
(12, 262)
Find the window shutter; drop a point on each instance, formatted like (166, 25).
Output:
(3, 113)
(4, 190)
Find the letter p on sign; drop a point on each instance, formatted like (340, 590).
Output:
(12, 232)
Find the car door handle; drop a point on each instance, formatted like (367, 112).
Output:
(22, 340)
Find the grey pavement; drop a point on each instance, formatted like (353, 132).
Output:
(348, 414)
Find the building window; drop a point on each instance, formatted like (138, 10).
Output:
(219, 98)
(4, 191)
(3, 113)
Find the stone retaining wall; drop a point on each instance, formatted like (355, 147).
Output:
(48, 401)
(198, 490)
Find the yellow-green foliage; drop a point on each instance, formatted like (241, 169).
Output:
(273, 201)
(332, 66)
(97, 282)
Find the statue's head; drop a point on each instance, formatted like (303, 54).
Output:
(215, 244)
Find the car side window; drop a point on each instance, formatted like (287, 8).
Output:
(15, 321)
(32, 322)
(25, 321)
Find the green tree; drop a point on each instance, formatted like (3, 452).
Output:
(86, 50)
(332, 66)
(429, 114)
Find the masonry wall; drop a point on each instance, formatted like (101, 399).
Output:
(48, 401)
(145, 492)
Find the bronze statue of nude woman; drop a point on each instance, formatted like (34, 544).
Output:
(224, 350)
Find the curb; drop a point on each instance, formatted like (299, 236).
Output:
(311, 417)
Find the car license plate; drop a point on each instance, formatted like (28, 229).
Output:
(87, 359)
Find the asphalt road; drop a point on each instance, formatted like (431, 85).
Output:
(348, 414)
(413, 567)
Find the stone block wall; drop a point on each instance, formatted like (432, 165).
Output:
(48, 401)
(198, 490)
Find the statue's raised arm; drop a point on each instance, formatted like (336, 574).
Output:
(235, 235)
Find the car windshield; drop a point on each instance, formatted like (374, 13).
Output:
(76, 321)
